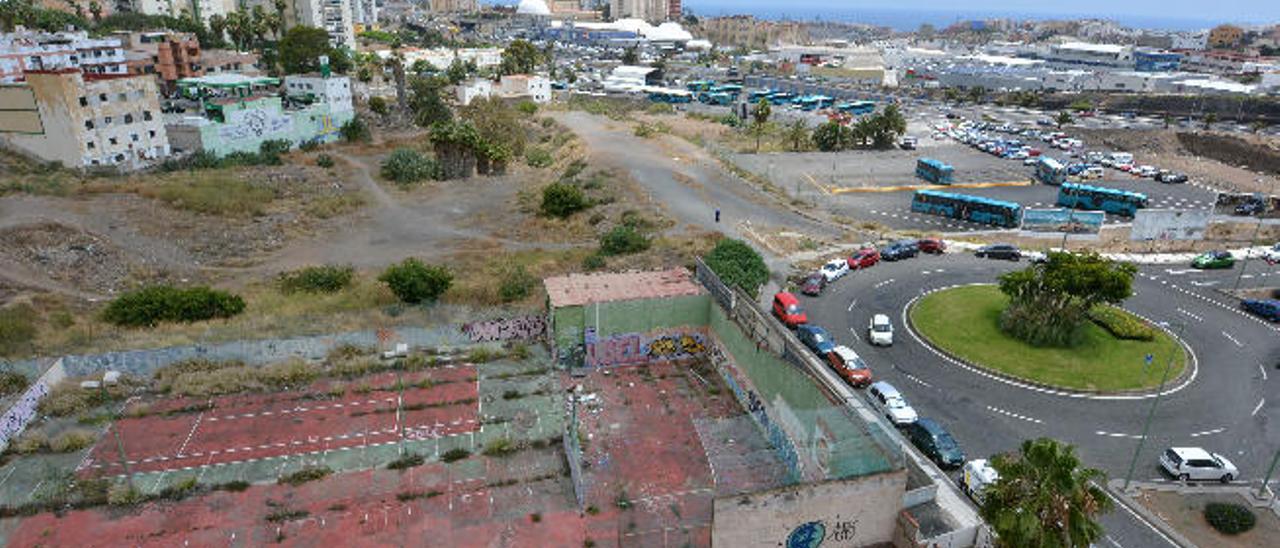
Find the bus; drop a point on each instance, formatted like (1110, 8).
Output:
(857, 108)
(715, 98)
(670, 96)
(934, 171)
(731, 89)
(1050, 171)
(969, 208)
(813, 102)
(781, 97)
(1096, 198)
(755, 96)
(699, 85)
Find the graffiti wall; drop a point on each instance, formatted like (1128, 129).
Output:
(636, 348)
(16, 419)
(506, 329)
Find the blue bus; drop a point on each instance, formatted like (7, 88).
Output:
(969, 208)
(670, 96)
(731, 89)
(813, 102)
(1050, 171)
(934, 171)
(1095, 198)
(755, 96)
(781, 97)
(699, 85)
(857, 108)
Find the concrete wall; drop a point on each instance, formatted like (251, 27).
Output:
(23, 409)
(574, 325)
(855, 512)
(247, 128)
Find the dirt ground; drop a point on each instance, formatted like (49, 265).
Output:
(1185, 513)
(1162, 148)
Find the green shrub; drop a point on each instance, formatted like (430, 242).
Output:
(527, 107)
(537, 157)
(737, 264)
(573, 169)
(1121, 324)
(594, 261)
(317, 279)
(517, 283)
(406, 461)
(1229, 519)
(124, 494)
(291, 373)
(12, 382)
(623, 240)
(406, 166)
(455, 454)
(17, 328)
(378, 105)
(149, 306)
(165, 377)
(414, 282)
(311, 473)
(355, 130)
(32, 441)
(499, 447)
(562, 200)
(71, 440)
(284, 514)
(324, 161)
(67, 398)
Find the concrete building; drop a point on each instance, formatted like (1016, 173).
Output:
(535, 87)
(454, 6)
(1082, 53)
(1191, 41)
(334, 16)
(42, 51)
(441, 58)
(1270, 81)
(653, 11)
(364, 13)
(239, 113)
(84, 120)
(203, 9)
(631, 78)
(1227, 62)
(473, 89)
(218, 61)
(169, 56)
(1156, 61)
(1225, 36)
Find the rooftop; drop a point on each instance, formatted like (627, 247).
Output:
(581, 289)
(1094, 48)
(229, 79)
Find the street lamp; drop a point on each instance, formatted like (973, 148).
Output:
(1146, 426)
(1249, 250)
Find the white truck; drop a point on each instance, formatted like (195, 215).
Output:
(978, 474)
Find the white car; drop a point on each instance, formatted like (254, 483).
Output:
(1030, 161)
(1272, 255)
(886, 399)
(835, 269)
(1194, 463)
(1146, 171)
(978, 474)
(880, 330)
(1034, 256)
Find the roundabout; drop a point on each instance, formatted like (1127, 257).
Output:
(963, 323)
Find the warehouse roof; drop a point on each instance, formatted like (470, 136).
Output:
(580, 289)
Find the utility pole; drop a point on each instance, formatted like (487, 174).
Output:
(1249, 249)
(1262, 490)
(1146, 426)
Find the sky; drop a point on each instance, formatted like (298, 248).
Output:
(1244, 11)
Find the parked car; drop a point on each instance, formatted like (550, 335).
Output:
(1272, 256)
(816, 338)
(835, 269)
(1267, 308)
(1213, 259)
(931, 245)
(978, 474)
(902, 249)
(813, 284)
(1030, 161)
(786, 307)
(935, 442)
(1172, 178)
(1146, 171)
(1194, 463)
(887, 400)
(880, 330)
(908, 143)
(849, 366)
(1251, 206)
(999, 251)
(864, 257)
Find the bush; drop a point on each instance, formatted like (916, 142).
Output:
(517, 283)
(455, 454)
(1229, 519)
(71, 440)
(317, 279)
(562, 200)
(594, 261)
(32, 441)
(311, 473)
(355, 130)
(324, 161)
(623, 240)
(12, 382)
(499, 447)
(537, 157)
(67, 398)
(1121, 324)
(414, 282)
(378, 105)
(17, 328)
(406, 461)
(737, 264)
(124, 494)
(213, 193)
(405, 166)
(149, 306)
(527, 107)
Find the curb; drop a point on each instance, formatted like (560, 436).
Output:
(1183, 380)
(1141, 512)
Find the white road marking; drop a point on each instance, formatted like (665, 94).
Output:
(1204, 284)
(851, 304)
(1014, 415)
(1262, 370)
(1117, 435)
(1232, 339)
(1258, 407)
(1208, 432)
(1139, 518)
(1191, 314)
(918, 380)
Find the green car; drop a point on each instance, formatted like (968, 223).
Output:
(1214, 259)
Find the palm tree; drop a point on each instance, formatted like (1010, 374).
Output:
(218, 26)
(280, 6)
(1044, 498)
(260, 24)
(1210, 119)
(395, 62)
(760, 116)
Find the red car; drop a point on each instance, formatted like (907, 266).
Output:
(864, 257)
(787, 308)
(932, 245)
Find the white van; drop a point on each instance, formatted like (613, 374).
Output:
(978, 474)
(880, 331)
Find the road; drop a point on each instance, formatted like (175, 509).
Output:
(1225, 408)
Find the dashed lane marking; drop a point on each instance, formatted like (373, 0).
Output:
(1208, 432)
(1258, 407)
(1014, 415)
(917, 380)
(1192, 315)
(1232, 339)
(1117, 435)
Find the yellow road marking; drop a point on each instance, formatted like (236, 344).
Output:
(817, 185)
(899, 188)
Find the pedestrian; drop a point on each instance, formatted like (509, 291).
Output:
(717, 214)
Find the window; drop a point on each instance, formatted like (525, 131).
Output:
(102, 97)
(112, 140)
(106, 120)
(134, 136)
(128, 118)
(151, 133)
(123, 97)
(88, 124)
(89, 145)
(84, 101)
(146, 115)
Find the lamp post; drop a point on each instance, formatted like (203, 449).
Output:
(1249, 250)
(1262, 490)
(1146, 426)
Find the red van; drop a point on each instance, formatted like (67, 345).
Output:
(787, 308)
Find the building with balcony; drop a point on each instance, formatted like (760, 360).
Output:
(42, 51)
(84, 121)
(336, 17)
(169, 56)
(202, 9)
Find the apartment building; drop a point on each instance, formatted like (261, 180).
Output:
(337, 17)
(84, 120)
(169, 56)
(203, 9)
(42, 51)
(653, 11)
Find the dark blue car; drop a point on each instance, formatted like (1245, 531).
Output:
(816, 338)
(904, 249)
(1267, 308)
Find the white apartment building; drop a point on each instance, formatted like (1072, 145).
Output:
(1082, 53)
(84, 121)
(24, 51)
(441, 58)
(537, 88)
(473, 89)
(334, 91)
(334, 16)
(174, 8)
(365, 12)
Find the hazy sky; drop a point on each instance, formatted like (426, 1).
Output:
(1225, 10)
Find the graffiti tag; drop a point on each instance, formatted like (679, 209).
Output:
(505, 329)
(632, 348)
(22, 412)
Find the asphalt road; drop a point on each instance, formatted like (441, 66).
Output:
(1225, 408)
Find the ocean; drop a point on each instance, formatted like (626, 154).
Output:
(909, 20)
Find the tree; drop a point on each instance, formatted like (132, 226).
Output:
(414, 282)
(395, 62)
(95, 9)
(623, 240)
(562, 200)
(355, 130)
(302, 46)
(1256, 126)
(797, 134)
(1048, 302)
(281, 23)
(1063, 119)
(1044, 498)
(1210, 119)
(457, 71)
(520, 57)
(1168, 120)
(378, 105)
(886, 127)
(427, 106)
(498, 123)
(260, 24)
(832, 136)
(630, 56)
(406, 166)
(759, 117)
(738, 265)
(218, 26)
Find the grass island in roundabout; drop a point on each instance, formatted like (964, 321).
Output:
(965, 323)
